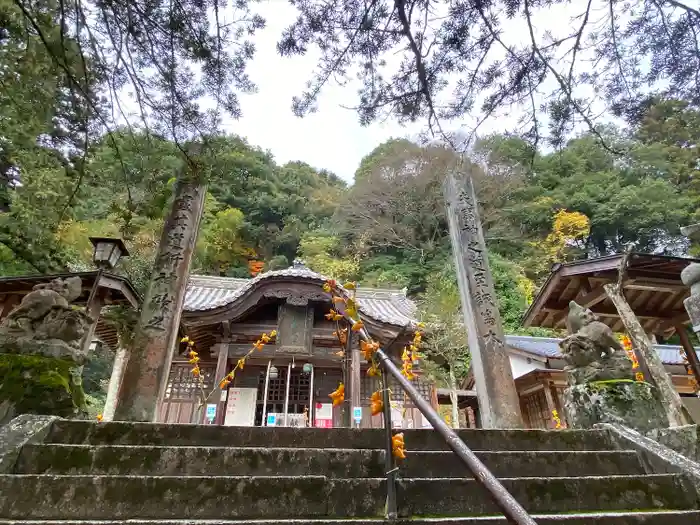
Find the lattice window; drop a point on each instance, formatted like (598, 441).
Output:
(183, 385)
(183, 390)
(299, 387)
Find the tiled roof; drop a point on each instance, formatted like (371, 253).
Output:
(383, 305)
(549, 347)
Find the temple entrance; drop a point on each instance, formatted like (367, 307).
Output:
(287, 400)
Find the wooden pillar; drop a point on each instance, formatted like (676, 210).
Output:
(671, 401)
(690, 354)
(434, 398)
(355, 374)
(551, 405)
(115, 381)
(93, 309)
(498, 398)
(146, 375)
(221, 364)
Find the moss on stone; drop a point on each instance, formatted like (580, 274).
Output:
(41, 385)
(627, 402)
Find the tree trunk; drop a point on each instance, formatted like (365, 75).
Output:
(155, 339)
(454, 399)
(675, 411)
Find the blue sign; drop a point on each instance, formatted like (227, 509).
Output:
(271, 420)
(211, 412)
(357, 414)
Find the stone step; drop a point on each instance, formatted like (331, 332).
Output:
(334, 463)
(210, 497)
(134, 433)
(682, 517)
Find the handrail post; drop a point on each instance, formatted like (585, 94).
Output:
(389, 465)
(512, 510)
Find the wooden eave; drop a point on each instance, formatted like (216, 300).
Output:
(120, 292)
(208, 327)
(652, 287)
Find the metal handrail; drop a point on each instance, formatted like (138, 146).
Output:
(512, 510)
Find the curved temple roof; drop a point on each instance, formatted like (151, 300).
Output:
(383, 305)
(549, 347)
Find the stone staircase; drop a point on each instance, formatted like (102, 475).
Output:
(116, 473)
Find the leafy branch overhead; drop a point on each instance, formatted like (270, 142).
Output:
(423, 59)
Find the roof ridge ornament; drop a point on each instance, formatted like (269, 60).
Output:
(299, 263)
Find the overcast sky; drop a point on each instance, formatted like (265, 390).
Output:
(331, 138)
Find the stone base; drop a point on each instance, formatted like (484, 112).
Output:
(50, 348)
(630, 403)
(32, 384)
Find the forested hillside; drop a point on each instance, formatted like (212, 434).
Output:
(587, 199)
(387, 229)
(99, 101)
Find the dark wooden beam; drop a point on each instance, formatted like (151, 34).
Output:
(562, 310)
(670, 324)
(571, 287)
(587, 301)
(690, 354)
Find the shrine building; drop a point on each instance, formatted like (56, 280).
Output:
(288, 382)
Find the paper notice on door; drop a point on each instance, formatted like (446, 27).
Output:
(240, 407)
(324, 415)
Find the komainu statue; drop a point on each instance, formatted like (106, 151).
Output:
(591, 351)
(602, 387)
(41, 353)
(46, 324)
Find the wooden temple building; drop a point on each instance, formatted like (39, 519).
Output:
(653, 289)
(288, 382)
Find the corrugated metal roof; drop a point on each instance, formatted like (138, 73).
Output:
(549, 347)
(384, 305)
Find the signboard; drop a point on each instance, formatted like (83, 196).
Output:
(397, 417)
(357, 414)
(425, 422)
(240, 408)
(324, 415)
(271, 420)
(211, 412)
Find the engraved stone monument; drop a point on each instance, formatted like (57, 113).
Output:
(41, 352)
(602, 387)
(498, 399)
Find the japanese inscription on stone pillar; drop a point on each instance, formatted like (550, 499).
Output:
(498, 398)
(156, 336)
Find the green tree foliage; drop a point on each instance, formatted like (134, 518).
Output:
(625, 199)
(321, 252)
(221, 244)
(668, 145)
(441, 309)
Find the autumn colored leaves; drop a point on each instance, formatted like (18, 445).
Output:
(345, 307)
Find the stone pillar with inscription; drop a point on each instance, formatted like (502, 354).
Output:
(498, 399)
(155, 339)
